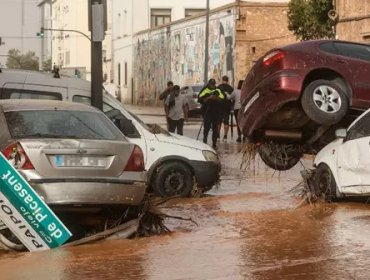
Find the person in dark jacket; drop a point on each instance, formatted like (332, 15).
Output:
(163, 97)
(212, 100)
(227, 89)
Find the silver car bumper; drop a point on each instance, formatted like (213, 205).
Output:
(99, 191)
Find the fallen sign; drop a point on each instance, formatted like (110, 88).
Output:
(26, 214)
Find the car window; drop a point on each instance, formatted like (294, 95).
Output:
(61, 124)
(328, 47)
(13, 93)
(353, 51)
(129, 130)
(360, 129)
(87, 101)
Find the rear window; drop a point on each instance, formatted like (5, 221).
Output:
(61, 124)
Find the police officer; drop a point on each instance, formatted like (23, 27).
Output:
(212, 100)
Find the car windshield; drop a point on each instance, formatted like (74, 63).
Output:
(61, 124)
(197, 88)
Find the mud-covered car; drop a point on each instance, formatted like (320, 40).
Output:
(295, 96)
(342, 167)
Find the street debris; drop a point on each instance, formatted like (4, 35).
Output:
(149, 221)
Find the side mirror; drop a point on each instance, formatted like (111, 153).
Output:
(341, 133)
(126, 127)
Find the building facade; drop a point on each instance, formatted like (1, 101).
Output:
(353, 20)
(240, 33)
(130, 17)
(19, 21)
(70, 50)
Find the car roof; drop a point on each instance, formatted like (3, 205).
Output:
(317, 42)
(27, 104)
(41, 78)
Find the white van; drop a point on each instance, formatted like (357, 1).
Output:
(175, 163)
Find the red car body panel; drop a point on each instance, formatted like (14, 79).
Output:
(283, 80)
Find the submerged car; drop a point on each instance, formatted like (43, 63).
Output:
(343, 166)
(295, 96)
(72, 155)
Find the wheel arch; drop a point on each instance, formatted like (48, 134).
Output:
(332, 167)
(167, 159)
(331, 75)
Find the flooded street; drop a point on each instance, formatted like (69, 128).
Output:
(248, 228)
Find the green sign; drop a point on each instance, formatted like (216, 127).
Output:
(26, 214)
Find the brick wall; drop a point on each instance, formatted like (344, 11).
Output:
(260, 28)
(353, 20)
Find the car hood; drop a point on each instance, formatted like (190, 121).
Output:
(327, 150)
(184, 141)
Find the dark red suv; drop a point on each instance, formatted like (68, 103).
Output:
(294, 96)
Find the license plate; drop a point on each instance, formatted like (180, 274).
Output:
(250, 102)
(80, 161)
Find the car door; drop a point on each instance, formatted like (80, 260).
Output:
(353, 160)
(358, 58)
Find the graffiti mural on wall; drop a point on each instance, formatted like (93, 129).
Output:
(187, 51)
(152, 67)
(177, 53)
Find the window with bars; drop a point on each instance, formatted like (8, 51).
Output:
(160, 17)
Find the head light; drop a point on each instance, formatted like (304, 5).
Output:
(210, 156)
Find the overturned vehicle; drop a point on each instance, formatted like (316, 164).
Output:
(295, 97)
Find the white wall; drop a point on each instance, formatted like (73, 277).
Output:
(16, 31)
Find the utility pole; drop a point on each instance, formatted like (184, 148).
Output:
(97, 25)
(206, 51)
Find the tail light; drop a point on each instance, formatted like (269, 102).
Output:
(136, 160)
(269, 59)
(15, 154)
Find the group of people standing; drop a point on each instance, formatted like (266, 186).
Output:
(217, 104)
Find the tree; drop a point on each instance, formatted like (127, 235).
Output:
(47, 65)
(16, 60)
(309, 20)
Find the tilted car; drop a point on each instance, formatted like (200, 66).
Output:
(73, 156)
(343, 166)
(296, 95)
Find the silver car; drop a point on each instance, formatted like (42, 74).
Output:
(191, 95)
(71, 154)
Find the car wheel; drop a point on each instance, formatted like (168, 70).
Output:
(325, 185)
(279, 156)
(324, 102)
(173, 178)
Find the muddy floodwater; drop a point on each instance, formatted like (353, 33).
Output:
(248, 228)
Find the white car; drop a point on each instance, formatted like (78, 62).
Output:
(174, 163)
(343, 166)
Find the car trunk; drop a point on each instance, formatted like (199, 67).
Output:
(62, 158)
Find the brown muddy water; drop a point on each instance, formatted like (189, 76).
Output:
(248, 228)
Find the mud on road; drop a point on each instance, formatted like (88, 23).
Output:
(248, 228)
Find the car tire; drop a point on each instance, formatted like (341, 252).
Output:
(280, 157)
(324, 102)
(325, 185)
(173, 179)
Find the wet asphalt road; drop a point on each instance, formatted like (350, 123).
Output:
(248, 228)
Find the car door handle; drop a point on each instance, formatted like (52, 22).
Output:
(340, 61)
